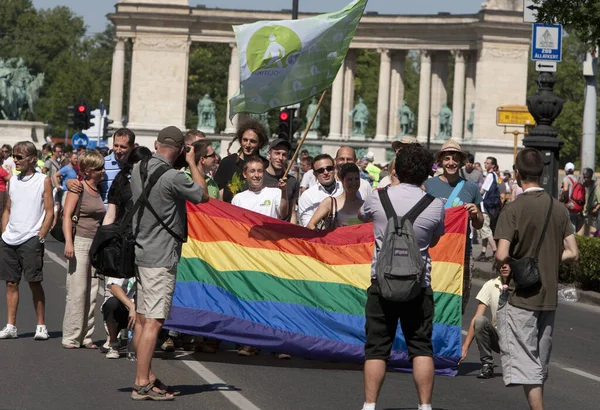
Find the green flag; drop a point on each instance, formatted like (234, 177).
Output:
(288, 61)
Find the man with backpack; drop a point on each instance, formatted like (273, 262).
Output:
(490, 206)
(573, 195)
(401, 274)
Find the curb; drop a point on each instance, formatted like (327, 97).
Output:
(585, 296)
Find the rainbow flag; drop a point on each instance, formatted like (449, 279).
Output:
(263, 282)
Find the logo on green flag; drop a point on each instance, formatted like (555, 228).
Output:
(272, 47)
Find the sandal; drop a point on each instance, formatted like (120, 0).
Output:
(168, 389)
(70, 346)
(90, 346)
(147, 393)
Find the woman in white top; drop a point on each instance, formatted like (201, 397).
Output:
(344, 208)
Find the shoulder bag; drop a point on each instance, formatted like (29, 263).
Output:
(525, 271)
(57, 231)
(328, 223)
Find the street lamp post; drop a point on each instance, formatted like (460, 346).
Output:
(545, 106)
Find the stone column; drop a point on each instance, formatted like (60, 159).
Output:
(383, 96)
(469, 92)
(117, 81)
(233, 85)
(458, 99)
(439, 95)
(396, 91)
(424, 94)
(349, 73)
(337, 95)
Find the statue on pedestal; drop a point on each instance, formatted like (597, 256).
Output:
(19, 90)
(206, 115)
(471, 119)
(407, 119)
(309, 114)
(445, 126)
(360, 118)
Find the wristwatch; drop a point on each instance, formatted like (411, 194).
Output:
(42, 240)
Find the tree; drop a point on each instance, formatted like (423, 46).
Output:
(580, 17)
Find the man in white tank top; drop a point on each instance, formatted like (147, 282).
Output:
(25, 223)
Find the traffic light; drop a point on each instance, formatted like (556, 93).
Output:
(78, 116)
(287, 123)
(88, 118)
(106, 128)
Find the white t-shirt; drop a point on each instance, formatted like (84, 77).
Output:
(311, 198)
(27, 212)
(128, 286)
(265, 202)
(308, 180)
(489, 296)
(9, 165)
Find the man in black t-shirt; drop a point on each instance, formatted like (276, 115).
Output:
(252, 136)
(277, 156)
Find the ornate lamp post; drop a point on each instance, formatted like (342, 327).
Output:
(545, 106)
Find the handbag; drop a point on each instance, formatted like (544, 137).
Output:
(113, 249)
(329, 222)
(525, 272)
(57, 231)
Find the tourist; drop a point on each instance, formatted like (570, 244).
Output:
(470, 173)
(82, 282)
(344, 155)
(27, 219)
(327, 185)
(343, 209)
(490, 206)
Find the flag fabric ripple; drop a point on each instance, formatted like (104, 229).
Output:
(258, 281)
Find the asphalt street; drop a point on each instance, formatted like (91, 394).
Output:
(43, 375)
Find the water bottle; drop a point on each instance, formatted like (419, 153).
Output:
(130, 350)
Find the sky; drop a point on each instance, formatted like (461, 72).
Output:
(94, 11)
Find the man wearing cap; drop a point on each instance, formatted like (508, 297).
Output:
(373, 169)
(277, 157)
(568, 184)
(160, 226)
(457, 192)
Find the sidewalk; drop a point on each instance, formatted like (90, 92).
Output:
(484, 271)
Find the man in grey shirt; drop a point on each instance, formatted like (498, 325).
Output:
(158, 249)
(469, 172)
(413, 165)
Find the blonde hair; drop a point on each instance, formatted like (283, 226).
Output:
(89, 160)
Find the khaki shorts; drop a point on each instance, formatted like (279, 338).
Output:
(486, 230)
(155, 288)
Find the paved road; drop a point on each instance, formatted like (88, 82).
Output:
(42, 375)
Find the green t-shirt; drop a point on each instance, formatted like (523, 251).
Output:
(213, 188)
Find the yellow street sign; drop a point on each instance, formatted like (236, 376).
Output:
(515, 115)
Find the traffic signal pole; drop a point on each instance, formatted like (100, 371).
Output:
(294, 9)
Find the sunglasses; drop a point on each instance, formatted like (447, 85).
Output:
(19, 157)
(328, 168)
(99, 168)
(213, 155)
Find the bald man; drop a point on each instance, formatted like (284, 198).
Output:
(344, 155)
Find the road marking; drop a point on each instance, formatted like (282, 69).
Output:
(225, 389)
(577, 372)
(464, 332)
(56, 258)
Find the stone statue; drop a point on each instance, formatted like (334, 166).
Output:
(471, 119)
(360, 118)
(445, 126)
(19, 90)
(206, 115)
(310, 111)
(407, 119)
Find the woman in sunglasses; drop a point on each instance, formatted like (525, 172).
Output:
(82, 286)
(343, 209)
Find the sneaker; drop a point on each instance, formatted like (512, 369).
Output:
(168, 345)
(112, 353)
(247, 351)
(204, 348)
(480, 258)
(283, 356)
(41, 333)
(7, 333)
(486, 372)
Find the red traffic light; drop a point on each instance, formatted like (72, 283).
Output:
(81, 108)
(284, 115)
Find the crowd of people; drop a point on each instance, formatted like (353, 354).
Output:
(86, 189)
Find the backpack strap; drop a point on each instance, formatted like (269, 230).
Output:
(539, 247)
(420, 206)
(386, 203)
(138, 204)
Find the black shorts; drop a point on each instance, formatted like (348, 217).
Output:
(24, 260)
(416, 319)
(115, 311)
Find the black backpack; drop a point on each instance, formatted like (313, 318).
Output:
(113, 250)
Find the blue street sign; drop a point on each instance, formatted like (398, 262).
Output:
(546, 42)
(80, 139)
(92, 144)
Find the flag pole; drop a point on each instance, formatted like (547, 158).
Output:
(291, 164)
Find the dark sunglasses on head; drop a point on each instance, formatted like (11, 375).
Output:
(328, 168)
(19, 157)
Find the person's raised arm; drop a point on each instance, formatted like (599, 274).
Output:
(197, 173)
(471, 333)
(283, 203)
(571, 251)
(321, 213)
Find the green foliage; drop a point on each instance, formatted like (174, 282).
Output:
(580, 17)
(585, 272)
(366, 84)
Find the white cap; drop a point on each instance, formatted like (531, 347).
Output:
(370, 156)
(569, 166)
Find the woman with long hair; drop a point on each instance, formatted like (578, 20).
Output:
(82, 285)
(343, 209)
